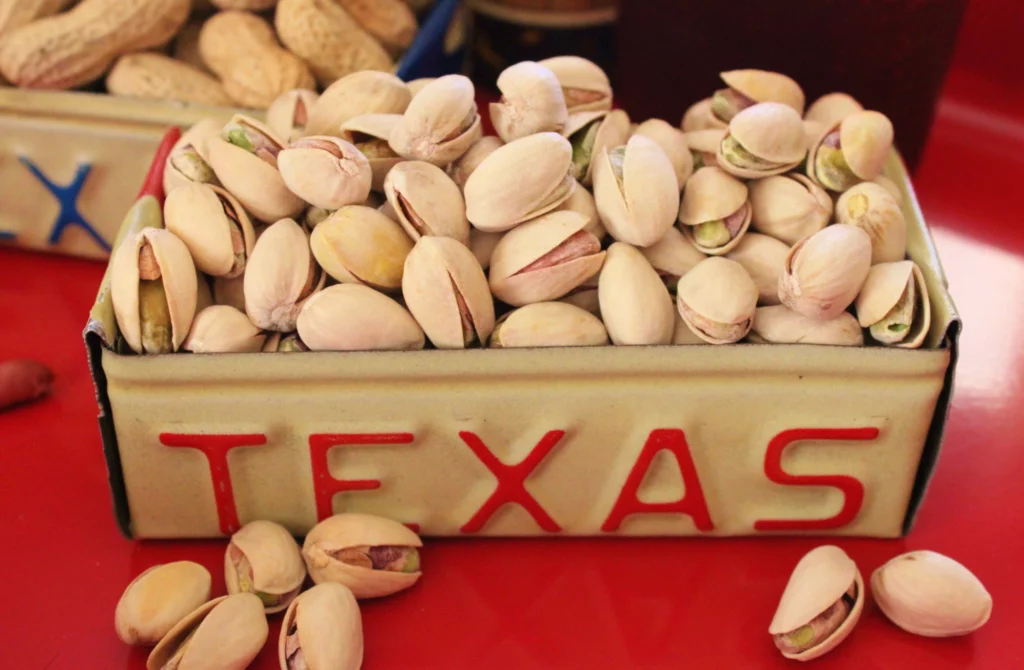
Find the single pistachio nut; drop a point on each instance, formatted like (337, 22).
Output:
(789, 207)
(371, 555)
(326, 172)
(590, 133)
(869, 206)
(460, 170)
(351, 317)
(763, 140)
(778, 324)
(926, 593)
(672, 257)
(264, 559)
(851, 151)
(154, 291)
(221, 329)
(717, 300)
(715, 213)
(359, 245)
(582, 202)
(704, 147)
(446, 290)
(548, 324)
(894, 305)
(417, 85)
(544, 259)
(426, 201)
(226, 632)
(699, 116)
(322, 628)
(214, 227)
(822, 603)
(282, 274)
(636, 191)
(482, 245)
(369, 133)
(682, 335)
(365, 92)
(585, 86)
(229, 292)
(158, 599)
(288, 115)
(440, 124)
(286, 343)
(188, 161)
(824, 272)
(635, 304)
(747, 88)
(763, 258)
(832, 108)
(673, 142)
(531, 102)
(500, 194)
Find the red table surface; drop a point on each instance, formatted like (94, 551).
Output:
(562, 603)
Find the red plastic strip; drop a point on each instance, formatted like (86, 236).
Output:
(153, 184)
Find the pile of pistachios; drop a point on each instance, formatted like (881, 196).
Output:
(377, 216)
(349, 557)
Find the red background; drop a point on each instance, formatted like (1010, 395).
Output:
(577, 603)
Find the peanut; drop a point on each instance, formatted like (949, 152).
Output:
(17, 13)
(390, 21)
(154, 76)
(77, 47)
(186, 46)
(329, 39)
(21, 381)
(241, 48)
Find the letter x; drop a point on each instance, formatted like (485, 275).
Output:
(67, 198)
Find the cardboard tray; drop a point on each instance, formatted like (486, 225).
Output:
(606, 441)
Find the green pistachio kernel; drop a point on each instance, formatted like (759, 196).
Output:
(712, 234)
(617, 157)
(894, 328)
(583, 148)
(832, 170)
(738, 155)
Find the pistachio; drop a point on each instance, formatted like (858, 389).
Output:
(322, 628)
(351, 317)
(227, 632)
(820, 606)
(188, 161)
(531, 102)
(778, 324)
(825, 272)
(869, 206)
(223, 329)
(369, 133)
(314, 216)
(154, 291)
(326, 172)
(417, 85)
(582, 202)
(585, 296)
(672, 257)
(264, 559)
(365, 92)
(636, 191)
(749, 87)
(544, 259)
(214, 227)
(682, 335)
(704, 147)
(851, 151)
(461, 169)
(714, 211)
(832, 108)
(789, 207)
(190, 165)
(894, 305)
(929, 594)
(360, 245)
(891, 188)
(717, 300)
(281, 276)
(482, 245)
(548, 324)
(286, 343)
(763, 140)
(500, 194)
(440, 124)
(585, 86)
(763, 258)
(158, 599)
(371, 555)
(590, 133)
(673, 142)
(699, 116)
(288, 114)
(229, 292)
(426, 201)
(635, 305)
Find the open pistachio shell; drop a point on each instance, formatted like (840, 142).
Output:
(832, 108)
(716, 200)
(500, 194)
(704, 147)
(288, 115)
(222, 329)
(635, 304)
(763, 258)
(821, 579)
(440, 124)
(326, 543)
(636, 191)
(227, 632)
(365, 92)
(673, 142)
(864, 142)
(778, 324)
(282, 274)
(789, 207)
(531, 102)
(672, 257)
(825, 272)
(350, 317)
(763, 140)
(214, 227)
(885, 288)
(188, 161)
(869, 206)
(765, 86)
(446, 290)
(700, 117)
(264, 559)
(370, 133)
(717, 300)
(325, 171)
(460, 170)
(359, 245)
(549, 324)
(544, 259)
(582, 202)
(585, 85)
(322, 630)
(427, 201)
(590, 133)
(158, 599)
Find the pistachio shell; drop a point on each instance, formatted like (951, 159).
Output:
(869, 206)
(500, 194)
(329, 629)
(229, 292)
(704, 144)
(272, 560)
(699, 117)
(711, 194)
(544, 259)
(158, 599)
(673, 143)
(342, 531)
(820, 579)
(683, 335)
(717, 300)
(350, 317)
(778, 324)
(770, 131)
(460, 170)
(288, 115)
(883, 288)
(377, 128)
(366, 92)
(643, 208)
(223, 329)
(531, 102)
(197, 137)
(613, 130)
(582, 202)
(227, 632)
(360, 245)
(789, 207)
(813, 130)
(584, 84)
(446, 290)
(832, 108)
(689, 234)
(763, 258)
(482, 245)
(635, 304)
(549, 324)
(673, 256)
(281, 276)
(765, 86)
(198, 215)
(825, 272)
(440, 124)
(891, 187)
(417, 85)
(926, 593)
(426, 201)
(326, 172)
(865, 139)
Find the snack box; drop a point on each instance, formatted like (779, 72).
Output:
(692, 440)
